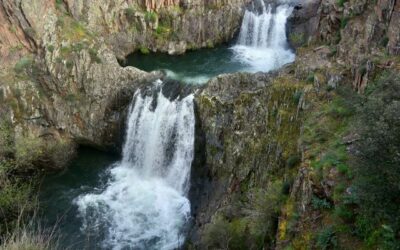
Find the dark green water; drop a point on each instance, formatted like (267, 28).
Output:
(86, 174)
(194, 67)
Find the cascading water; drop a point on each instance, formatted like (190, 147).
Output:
(262, 42)
(143, 202)
(145, 205)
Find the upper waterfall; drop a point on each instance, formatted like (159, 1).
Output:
(262, 42)
(144, 204)
(261, 46)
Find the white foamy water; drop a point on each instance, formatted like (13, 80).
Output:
(145, 204)
(262, 42)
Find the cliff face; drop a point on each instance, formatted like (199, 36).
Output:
(166, 26)
(251, 125)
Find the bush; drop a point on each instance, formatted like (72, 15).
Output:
(326, 239)
(297, 96)
(6, 138)
(254, 228)
(14, 197)
(293, 161)
(377, 164)
(144, 50)
(94, 55)
(341, 2)
(130, 14)
(28, 150)
(23, 64)
(150, 17)
(320, 204)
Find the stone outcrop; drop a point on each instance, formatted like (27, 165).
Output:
(165, 26)
(251, 124)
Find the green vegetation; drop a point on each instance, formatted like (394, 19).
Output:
(298, 39)
(150, 17)
(363, 207)
(252, 231)
(377, 166)
(293, 160)
(24, 64)
(144, 50)
(341, 2)
(29, 235)
(94, 55)
(326, 239)
(130, 14)
(162, 32)
(343, 23)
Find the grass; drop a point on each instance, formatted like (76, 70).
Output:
(29, 236)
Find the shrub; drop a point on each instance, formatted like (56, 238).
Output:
(326, 239)
(318, 203)
(14, 197)
(94, 55)
(28, 151)
(130, 14)
(150, 17)
(297, 39)
(341, 2)
(218, 234)
(6, 138)
(297, 96)
(293, 161)
(344, 213)
(254, 228)
(343, 23)
(144, 50)
(377, 164)
(310, 78)
(23, 64)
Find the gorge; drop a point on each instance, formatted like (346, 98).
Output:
(190, 124)
(142, 201)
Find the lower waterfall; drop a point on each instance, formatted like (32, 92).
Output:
(144, 204)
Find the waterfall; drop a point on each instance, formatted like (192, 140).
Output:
(262, 42)
(144, 204)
